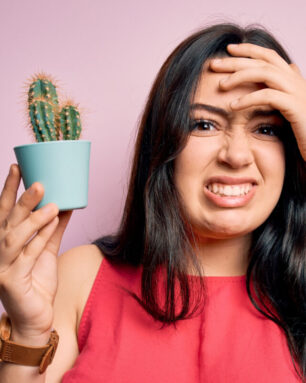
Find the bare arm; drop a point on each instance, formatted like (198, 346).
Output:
(77, 269)
(65, 314)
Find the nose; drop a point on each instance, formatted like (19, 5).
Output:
(235, 150)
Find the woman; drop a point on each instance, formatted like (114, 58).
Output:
(215, 215)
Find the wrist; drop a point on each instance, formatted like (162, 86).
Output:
(30, 338)
(27, 349)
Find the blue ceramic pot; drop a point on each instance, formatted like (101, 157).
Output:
(62, 167)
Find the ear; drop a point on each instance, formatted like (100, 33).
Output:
(295, 68)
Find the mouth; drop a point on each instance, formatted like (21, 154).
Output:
(225, 190)
(229, 191)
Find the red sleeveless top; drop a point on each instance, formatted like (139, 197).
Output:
(229, 342)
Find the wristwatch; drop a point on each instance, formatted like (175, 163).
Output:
(25, 355)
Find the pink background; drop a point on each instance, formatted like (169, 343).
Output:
(106, 55)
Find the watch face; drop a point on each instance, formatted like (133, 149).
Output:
(5, 327)
(0, 349)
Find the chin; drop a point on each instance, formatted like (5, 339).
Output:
(223, 229)
(226, 232)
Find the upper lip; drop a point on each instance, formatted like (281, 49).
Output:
(231, 180)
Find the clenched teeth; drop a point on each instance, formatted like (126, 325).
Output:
(229, 190)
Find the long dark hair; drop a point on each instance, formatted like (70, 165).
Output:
(152, 232)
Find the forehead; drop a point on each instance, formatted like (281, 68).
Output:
(208, 92)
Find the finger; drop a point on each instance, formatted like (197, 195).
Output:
(295, 68)
(257, 52)
(11, 245)
(272, 77)
(273, 98)
(9, 193)
(36, 246)
(233, 64)
(23, 208)
(54, 243)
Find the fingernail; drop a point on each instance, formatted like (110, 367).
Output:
(32, 190)
(216, 61)
(47, 208)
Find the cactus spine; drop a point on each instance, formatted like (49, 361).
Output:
(48, 120)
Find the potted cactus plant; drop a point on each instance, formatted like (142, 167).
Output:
(58, 159)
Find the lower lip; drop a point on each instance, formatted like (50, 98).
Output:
(232, 201)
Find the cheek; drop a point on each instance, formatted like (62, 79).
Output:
(190, 165)
(271, 162)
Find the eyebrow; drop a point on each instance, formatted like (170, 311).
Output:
(249, 115)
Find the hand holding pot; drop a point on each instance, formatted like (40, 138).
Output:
(29, 244)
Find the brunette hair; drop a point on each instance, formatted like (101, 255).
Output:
(153, 233)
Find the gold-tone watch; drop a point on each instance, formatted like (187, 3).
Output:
(13, 352)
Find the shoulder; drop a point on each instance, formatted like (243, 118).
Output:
(77, 270)
(79, 262)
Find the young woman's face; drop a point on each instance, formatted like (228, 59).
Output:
(231, 172)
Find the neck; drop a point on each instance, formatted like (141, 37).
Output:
(223, 257)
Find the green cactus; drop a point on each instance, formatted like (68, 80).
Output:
(70, 122)
(42, 88)
(46, 118)
(43, 121)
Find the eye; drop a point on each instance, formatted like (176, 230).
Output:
(202, 125)
(269, 130)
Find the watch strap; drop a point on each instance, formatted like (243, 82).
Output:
(13, 352)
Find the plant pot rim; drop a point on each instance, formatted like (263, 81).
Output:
(52, 143)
